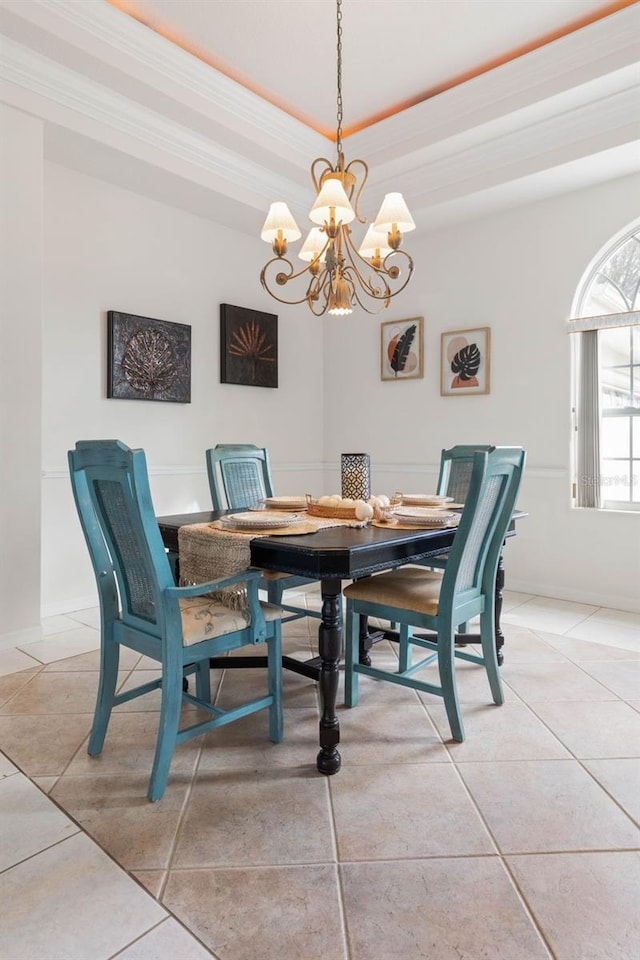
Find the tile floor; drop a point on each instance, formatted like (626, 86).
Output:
(520, 844)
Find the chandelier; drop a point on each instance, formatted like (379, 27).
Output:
(336, 274)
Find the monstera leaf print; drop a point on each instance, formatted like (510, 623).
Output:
(466, 362)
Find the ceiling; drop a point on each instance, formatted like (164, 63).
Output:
(485, 103)
(395, 52)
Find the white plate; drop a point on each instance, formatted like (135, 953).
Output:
(285, 503)
(261, 521)
(424, 499)
(423, 515)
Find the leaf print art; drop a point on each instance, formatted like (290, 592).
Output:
(465, 361)
(251, 343)
(248, 347)
(402, 349)
(400, 357)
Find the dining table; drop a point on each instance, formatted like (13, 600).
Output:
(333, 556)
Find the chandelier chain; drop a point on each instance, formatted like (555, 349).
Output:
(339, 97)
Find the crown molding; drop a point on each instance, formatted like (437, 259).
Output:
(571, 63)
(573, 99)
(63, 87)
(97, 28)
(549, 142)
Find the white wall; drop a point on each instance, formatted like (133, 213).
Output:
(111, 249)
(108, 248)
(517, 273)
(20, 372)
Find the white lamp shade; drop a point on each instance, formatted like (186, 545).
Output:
(374, 244)
(394, 211)
(332, 196)
(313, 245)
(279, 218)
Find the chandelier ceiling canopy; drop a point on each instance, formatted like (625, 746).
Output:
(337, 275)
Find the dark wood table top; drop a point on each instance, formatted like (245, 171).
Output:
(341, 553)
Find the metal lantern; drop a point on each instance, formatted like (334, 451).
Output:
(356, 476)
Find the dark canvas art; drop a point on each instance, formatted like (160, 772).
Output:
(148, 359)
(248, 347)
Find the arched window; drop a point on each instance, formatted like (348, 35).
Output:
(607, 381)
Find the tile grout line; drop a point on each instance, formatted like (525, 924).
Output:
(527, 908)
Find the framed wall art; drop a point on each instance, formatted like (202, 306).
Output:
(248, 347)
(465, 362)
(402, 349)
(148, 359)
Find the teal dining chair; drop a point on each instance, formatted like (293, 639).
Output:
(141, 607)
(436, 601)
(240, 477)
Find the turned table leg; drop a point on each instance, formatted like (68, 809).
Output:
(330, 649)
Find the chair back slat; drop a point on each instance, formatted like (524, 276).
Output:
(239, 475)
(111, 489)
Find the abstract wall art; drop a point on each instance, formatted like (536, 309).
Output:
(148, 359)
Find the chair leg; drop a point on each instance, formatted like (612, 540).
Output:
(167, 730)
(405, 652)
(203, 681)
(352, 622)
(446, 667)
(274, 672)
(488, 638)
(109, 660)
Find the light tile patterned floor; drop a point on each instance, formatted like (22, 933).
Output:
(520, 844)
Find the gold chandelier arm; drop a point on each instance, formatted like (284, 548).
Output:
(313, 292)
(386, 272)
(328, 168)
(381, 303)
(365, 169)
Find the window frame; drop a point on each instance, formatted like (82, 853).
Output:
(581, 324)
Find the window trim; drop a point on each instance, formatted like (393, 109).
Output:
(581, 324)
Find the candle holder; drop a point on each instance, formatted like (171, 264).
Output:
(356, 476)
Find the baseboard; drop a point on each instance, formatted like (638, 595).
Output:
(18, 638)
(551, 592)
(60, 607)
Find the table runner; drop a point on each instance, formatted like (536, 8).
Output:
(206, 553)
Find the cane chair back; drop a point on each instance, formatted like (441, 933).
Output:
(239, 475)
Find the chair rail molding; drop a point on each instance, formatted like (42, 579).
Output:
(184, 470)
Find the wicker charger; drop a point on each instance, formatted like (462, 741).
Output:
(330, 513)
(348, 513)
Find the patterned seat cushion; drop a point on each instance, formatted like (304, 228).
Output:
(203, 618)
